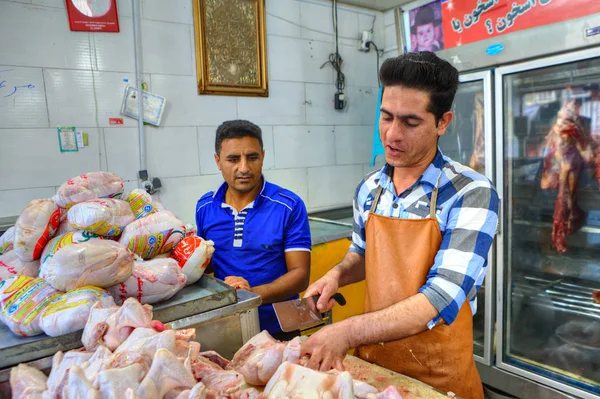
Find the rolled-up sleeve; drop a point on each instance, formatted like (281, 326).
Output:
(461, 262)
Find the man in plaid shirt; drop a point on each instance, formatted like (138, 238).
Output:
(423, 227)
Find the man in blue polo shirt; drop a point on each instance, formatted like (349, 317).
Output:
(260, 230)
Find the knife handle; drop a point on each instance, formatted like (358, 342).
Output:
(338, 297)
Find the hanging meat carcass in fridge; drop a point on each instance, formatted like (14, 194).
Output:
(477, 162)
(568, 148)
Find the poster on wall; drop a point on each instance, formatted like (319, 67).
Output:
(468, 21)
(426, 33)
(93, 15)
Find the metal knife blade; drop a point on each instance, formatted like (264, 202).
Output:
(299, 314)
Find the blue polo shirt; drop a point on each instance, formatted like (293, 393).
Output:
(252, 243)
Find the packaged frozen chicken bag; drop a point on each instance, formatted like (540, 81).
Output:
(87, 187)
(36, 225)
(141, 203)
(22, 300)
(153, 235)
(104, 217)
(193, 255)
(11, 265)
(6, 240)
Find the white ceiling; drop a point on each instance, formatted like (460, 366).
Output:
(380, 5)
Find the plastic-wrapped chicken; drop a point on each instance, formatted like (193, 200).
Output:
(34, 228)
(153, 235)
(142, 204)
(11, 265)
(6, 240)
(102, 263)
(153, 281)
(87, 187)
(193, 255)
(22, 301)
(70, 311)
(104, 217)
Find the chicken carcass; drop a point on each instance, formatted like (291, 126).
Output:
(27, 382)
(166, 374)
(111, 326)
(101, 263)
(61, 364)
(258, 359)
(216, 358)
(113, 382)
(153, 235)
(147, 342)
(7, 240)
(295, 381)
(36, 225)
(78, 386)
(223, 382)
(568, 148)
(152, 281)
(88, 186)
(198, 391)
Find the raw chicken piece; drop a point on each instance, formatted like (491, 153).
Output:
(258, 359)
(389, 393)
(185, 349)
(152, 281)
(223, 382)
(113, 325)
(147, 342)
(130, 394)
(248, 393)
(362, 390)
(34, 228)
(294, 381)
(101, 263)
(61, 364)
(97, 362)
(27, 382)
(11, 265)
(197, 392)
(113, 382)
(166, 374)
(70, 311)
(78, 387)
(88, 186)
(291, 353)
(216, 358)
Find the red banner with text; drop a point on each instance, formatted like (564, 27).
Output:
(467, 21)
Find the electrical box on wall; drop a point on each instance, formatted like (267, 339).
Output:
(339, 101)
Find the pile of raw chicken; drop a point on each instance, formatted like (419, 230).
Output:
(92, 244)
(126, 354)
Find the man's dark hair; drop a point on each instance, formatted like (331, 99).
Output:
(423, 71)
(237, 129)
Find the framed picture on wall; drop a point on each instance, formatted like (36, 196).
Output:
(231, 54)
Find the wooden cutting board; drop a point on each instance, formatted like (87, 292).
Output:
(381, 378)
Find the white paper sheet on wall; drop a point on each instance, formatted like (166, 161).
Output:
(154, 105)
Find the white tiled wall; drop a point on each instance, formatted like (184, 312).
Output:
(78, 79)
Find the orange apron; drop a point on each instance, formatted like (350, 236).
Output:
(399, 255)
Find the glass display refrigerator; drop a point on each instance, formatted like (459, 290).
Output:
(548, 146)
(468, 140)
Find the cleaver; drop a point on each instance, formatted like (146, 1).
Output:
(299, 314)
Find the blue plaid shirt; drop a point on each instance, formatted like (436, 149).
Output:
(467, 211)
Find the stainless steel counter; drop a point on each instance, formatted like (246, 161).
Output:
(205, 295)
(330, 226)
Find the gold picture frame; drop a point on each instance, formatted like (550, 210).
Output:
(231, 50)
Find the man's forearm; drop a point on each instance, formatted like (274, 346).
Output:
(350, 270)
(401, 320)
(286, 286)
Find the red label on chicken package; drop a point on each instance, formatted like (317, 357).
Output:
(185, 249)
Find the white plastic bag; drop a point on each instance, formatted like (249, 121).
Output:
(60, 241)
(104, 217)
(97, 262)
(193, 255)
(153, 281)
(34, 228)
(22, 300)
(11, 265)
(69, 312)
(6, 240)
(153, 235)
(88, 187)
